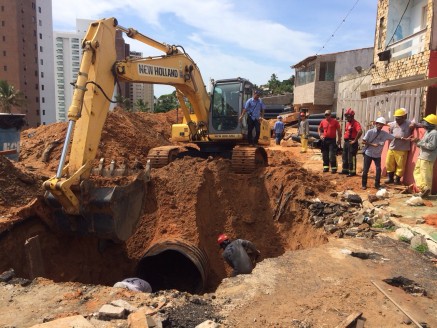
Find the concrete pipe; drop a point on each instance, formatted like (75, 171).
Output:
(174, 264)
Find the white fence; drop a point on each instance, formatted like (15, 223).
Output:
(368, 109)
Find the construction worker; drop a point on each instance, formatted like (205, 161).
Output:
(423, 171)
(279, 128)
(399, 147)
(303, 131)
(352, 134)
(374, 141)
(240, 254)
(254, 107)
(329, 129)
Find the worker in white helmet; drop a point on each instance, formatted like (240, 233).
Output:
(374, 141)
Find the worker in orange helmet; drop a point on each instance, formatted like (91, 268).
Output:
(352, 134)
(240, 254)
(399, 147)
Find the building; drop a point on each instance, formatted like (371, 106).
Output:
(26, 55)
(316, 78)
(67, 56)
(141, 91)
(405, 54)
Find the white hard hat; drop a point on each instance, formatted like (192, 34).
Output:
(381, 120)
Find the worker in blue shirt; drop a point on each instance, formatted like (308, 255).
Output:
(254, 108)
(279, 128)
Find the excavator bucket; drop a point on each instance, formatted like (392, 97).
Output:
(105, 212)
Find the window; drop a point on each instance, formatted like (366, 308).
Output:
(4, 53)
(42, 87)
(3, 23)
(327, 70)
(3, 8)
(41, 62)
(43, 100)
(39, 10)
(36, 86)
(40, 22)
(305, 75)
(5, 68)
(44, 112)
(42, 74)
(37, 112)
(37, 99)
(4, 38)
(40, 49)
(40, 36)
(380, 32)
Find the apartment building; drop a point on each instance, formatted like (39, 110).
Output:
(141, 91)
(317, 77)
(26, 55)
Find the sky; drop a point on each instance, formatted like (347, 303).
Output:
(235, 38)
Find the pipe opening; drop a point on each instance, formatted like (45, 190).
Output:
(174, 265)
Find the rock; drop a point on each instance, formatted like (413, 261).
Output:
(381, 203)
(367, 205)
(108, 311)
(123, 304)
(415, 201)
(420, 221)
(208, 324)
(331, 228)
(382, 193)
(353, 198)
(352, 232)
(76, 321)
(417, 241)
(7, 275)
(404, 233)
(372, 198)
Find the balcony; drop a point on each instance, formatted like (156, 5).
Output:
(408, 46)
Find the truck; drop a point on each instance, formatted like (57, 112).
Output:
(211, 121)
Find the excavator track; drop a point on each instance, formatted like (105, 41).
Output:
(161, 156)
(248, 159)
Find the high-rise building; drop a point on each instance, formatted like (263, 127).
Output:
(141, 91)
(68, 54)
(26, 55)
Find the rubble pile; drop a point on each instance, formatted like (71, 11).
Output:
(350, 217)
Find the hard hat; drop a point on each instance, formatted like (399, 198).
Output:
(400, 112)
(221, 238)
(381, 120)
(257, 92)
(431, 119)
(279, 117)
(327, 112)
(350, 112)
(302, 114)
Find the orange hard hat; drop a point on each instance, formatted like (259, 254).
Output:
(221, 238)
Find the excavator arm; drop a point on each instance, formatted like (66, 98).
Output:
(113, 212)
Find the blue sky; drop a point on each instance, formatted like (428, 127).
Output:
(251, 39)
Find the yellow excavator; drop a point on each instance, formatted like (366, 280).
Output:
(211, 121)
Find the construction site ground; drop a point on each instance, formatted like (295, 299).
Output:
(306, 277)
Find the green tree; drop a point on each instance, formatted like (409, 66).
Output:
(166, 103)
(142, 106)
(277, 87)
(123, 102)
(9, 97)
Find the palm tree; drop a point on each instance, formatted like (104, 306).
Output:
(9, 97)
(142, 106)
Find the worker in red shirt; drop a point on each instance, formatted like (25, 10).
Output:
(352, 134)
(330, 134)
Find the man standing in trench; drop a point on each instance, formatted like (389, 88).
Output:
(240, 254)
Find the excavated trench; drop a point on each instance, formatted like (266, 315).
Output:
(174, 246)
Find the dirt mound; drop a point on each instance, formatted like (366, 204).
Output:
(125, 137)
(17, 186)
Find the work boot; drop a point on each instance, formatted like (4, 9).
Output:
(391, 176)
(397, 180)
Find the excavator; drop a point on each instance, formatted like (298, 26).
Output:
(81, 204)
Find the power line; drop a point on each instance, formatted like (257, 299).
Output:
(338, 27)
